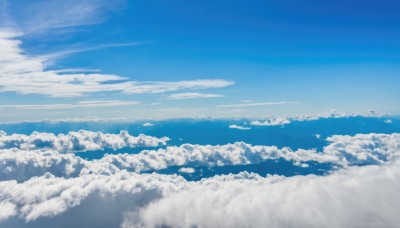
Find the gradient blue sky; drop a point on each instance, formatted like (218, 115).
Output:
(275, 57)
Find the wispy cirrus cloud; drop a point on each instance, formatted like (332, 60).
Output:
(40, 16)
(24, 74)
(80, 104)
(181, 96)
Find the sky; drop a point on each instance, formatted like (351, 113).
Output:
(153, 59)
(177, 113)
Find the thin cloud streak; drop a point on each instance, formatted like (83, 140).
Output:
(180, 96)
(257, 104)
(80, 104)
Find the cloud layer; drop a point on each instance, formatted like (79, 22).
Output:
(79, 141)
(343, 151)
(47, 187)
(327, 115)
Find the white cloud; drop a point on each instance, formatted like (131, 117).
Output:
(148, 124)
(340, 199)
(80, 104)
(180, 96)
(47, 196)
(318, 136)
(343, 151)
(358, 197)
(24, 74)
(186, 170)
(271, 122)
(388, 121)
(234, 126)
(78, 141)
(40, 16)
(247, 104)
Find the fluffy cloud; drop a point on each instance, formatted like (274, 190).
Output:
(78, 141)
(327, 115)
(22, 165)
(69, 186)
(271, 122)
(28, 75)
(148, 124)
(343, 151)
(358, 197)
(234, 126)
(186, 170)
(48, 196)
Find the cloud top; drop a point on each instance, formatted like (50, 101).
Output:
(79, 141)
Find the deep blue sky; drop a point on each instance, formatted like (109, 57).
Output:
(324, 55)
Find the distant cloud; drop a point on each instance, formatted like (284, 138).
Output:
(24, 74)
(148, 124)
(186, 170)
(271, 122)
(234, 126)
(257, 104)
(80, 104)
(77, 141)
(318, 136)
(22, 159)
(274, 121)
(178, 96)
(388, 121)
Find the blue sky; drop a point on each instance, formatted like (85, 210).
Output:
(276, 58)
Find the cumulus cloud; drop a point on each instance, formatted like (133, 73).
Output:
(271, 122)
(234, 126)
(343, 151)
(186, 170)
(78, 141)
(25, 74)
(48, 196)
(274, 121)
(388, 121)
(358, 197)
(147, 124)
(180, 96)
(68, 186)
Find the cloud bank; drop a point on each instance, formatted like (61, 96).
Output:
(343, 151)
(79, 141)
(359, 196)
(275, 121)
(45, 187)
